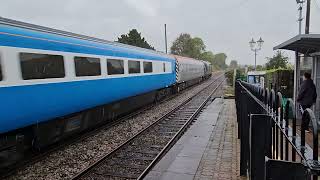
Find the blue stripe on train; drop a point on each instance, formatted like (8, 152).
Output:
(65, 45)
(22, 106)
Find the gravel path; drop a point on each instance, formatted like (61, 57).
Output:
(65, 163)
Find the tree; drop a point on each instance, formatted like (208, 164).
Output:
(260, 68)
(207, 56)
(233, 64)
(179, 46)
(279, 60)
(185, 45)
(195, 48)
(220, 60)
(134, 38)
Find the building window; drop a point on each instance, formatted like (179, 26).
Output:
(87, 66)
(164, 67)
(147, 67)
(115, 66)
(134, 67)
(41, 66)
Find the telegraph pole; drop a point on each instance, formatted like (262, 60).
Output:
(308, 17)
(165, 35)
(300, 3)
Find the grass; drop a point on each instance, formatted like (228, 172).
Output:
(228, 91)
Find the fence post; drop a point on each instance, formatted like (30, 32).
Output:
(260, 126)
(244, 125)
(308, 116)
(285, 170)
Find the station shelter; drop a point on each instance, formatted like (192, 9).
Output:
(307, 59)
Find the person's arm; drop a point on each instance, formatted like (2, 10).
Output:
(315, 94)
(302, 91)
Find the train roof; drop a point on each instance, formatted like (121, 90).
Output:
(182, 58)
(25, 35)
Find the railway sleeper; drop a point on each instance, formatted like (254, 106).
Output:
(117, 175)
(127, 163)
(141, 151)
(173, 125)
(140, 148)
(143, 157)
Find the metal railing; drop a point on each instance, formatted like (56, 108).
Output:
(271, 145)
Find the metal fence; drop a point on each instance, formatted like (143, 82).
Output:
(273, 144)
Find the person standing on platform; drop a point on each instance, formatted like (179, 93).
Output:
(307, 95)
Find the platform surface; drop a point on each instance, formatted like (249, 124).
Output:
(208, 150)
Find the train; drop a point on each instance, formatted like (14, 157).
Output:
(56, 84)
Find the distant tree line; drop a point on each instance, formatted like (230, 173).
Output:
(184, 45)
(194, 47)
(278, 61)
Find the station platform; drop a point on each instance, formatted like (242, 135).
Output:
(208, 150)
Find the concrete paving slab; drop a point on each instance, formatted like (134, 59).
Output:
(176, 176)
(184, 165)
(208, 150)
(182, 161)
(221, 158)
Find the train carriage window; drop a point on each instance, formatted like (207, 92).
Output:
(41, 66)
(147, 67)
(87, 66)
(115, 66)
(134, 67)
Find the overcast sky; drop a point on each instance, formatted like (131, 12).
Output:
(225, 26)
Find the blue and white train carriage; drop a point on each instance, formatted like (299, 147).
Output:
(55, 83)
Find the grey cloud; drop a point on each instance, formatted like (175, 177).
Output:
(225, 26)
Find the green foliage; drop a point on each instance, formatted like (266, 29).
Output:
(197, 48)
(258, 68)
(134, 38)
(281, 80)
(290, 66)
(220, 60)
(241, 74)
(233, 64)
(229, 76)
(207, 56)
(279, 60)
(275, 70)
(187, 46)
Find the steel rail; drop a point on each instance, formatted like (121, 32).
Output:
(177, 136)
(78, 137)
(87, 170)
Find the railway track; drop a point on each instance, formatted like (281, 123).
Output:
(35, 157)
(136, 157)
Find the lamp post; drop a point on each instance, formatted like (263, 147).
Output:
(300, 3)
(255, 47)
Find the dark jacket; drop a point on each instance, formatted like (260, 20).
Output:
(307, 93)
